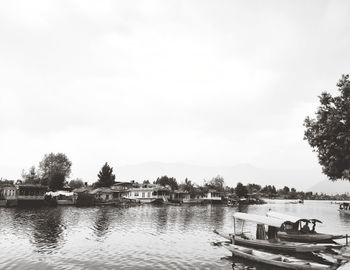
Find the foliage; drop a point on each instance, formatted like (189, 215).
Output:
(241, 190)
(54, 169)
(216, 183)
(146, 182)
(31, 177)
(106, 178)
(285, 190)
(253, 188)
(271, 190)
(329, 133)
(6, 183)
(76, 183)
(188, 186)
(167, 181)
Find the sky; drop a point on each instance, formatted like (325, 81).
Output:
(209, 83)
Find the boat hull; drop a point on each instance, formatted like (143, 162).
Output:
(308, 238)
(273, 260)
(285, 247)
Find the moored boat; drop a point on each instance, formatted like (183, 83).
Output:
(344, 208)
(275, 260)
(297, 229)
(268, 240)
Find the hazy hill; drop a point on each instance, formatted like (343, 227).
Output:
(245, 173)
(329, 187)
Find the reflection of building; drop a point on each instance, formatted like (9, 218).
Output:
(149, 194)
(23, 195)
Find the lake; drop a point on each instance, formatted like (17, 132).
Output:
(141, 237)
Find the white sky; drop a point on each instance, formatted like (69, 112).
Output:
(213, 83)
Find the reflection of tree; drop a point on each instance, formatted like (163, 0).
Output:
(47, 229)
(102, 222)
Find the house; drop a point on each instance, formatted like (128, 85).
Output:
(149, 193)
(8, 196)
(22, 195)
(104, 195)
(121, 189)
(180, 196)
(30, 194)
(213, 196)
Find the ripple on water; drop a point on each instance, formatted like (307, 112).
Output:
(144, 237)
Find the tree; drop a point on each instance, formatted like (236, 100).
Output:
(286, 190)
(253, 188)
(31, 177)
(76, 183)
(106, 178)
(167, 181)
(216, 183)
(54, 169)
(241, 190)
(329, 133)
(187, 186)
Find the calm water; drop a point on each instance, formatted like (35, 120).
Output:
(142, 237)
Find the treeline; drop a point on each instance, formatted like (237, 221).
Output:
(54, 170)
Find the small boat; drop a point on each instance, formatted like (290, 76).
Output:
(166, 201)
(231, 203)
(344, 208)
(275, 260)
(268, 240)
(297, 229)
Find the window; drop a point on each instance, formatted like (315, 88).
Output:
(148, 194)
(143, 194)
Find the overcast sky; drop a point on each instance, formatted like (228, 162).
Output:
(213, 83)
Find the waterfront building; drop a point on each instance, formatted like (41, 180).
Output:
(213, 196)
(22, 195)
(180, 196)
(150, 193)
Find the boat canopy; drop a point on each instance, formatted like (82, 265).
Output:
(292, 219)
(259, 219)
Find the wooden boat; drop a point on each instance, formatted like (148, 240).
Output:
(297, 229)
(281, 246)
(269, 241)
(344, 208)
(166, 201)
(275, 260)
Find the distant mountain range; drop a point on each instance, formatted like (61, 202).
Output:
(330, 187)
(245, 173)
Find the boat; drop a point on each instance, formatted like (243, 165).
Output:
(269, 240)
(297, 229)
(344, 208)
(166, 201)
(266, 258)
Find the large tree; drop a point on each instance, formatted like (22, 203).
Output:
(241, 190)
(329, 133)
(106, 178)
(54, 169)
(167, 181)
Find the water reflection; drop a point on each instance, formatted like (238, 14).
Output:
(102, 221)
(47, 229)
(152, 237)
